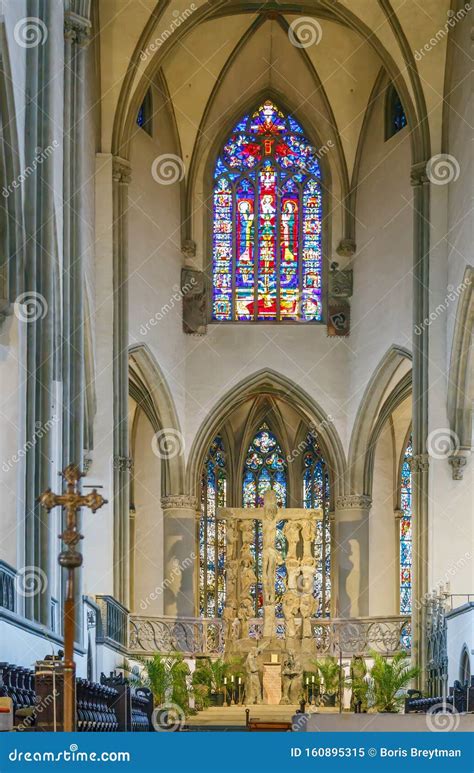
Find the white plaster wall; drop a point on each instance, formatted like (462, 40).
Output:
(451, 502)
(148, 585)
(458, 142)
(155, 254)
(12, 440)
(381, 306)
(383, 547)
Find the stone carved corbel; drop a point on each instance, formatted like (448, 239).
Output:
(339, 310)
(193, 290)
(458, 462)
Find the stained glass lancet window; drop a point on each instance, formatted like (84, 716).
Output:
(316, 494)
(406, 532)
(212, 532)
(395, 117)
(267, 250)
(265, 468)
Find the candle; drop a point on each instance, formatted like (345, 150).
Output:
(225, 680)
(232, 678)
(312, 679)
(240, 680)
(307, 680)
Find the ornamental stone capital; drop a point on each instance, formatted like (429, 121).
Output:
(123, 463)
(420, 463)
(458, 463)
(418, 174)
(354, 502)
(77, 29)
(346, 248)
(121, 170)
(179, 502)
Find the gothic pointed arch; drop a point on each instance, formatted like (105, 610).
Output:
(368, 411)
(270, 382)
(461, 378)
(148, 387)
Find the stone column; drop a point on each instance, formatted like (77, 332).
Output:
(352, 549)
(121, 180)
(42, 304)
(180, 554)
(77, 29)
(420, 463)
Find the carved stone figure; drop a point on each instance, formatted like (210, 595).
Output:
(308, 533)
(308, 606)
(193, 291)
(291, 530)
(305, 583)
(247, 579)
(270, 555)
(231, 539)
(293, 572)
(290, 604)
(236, 628)
(291, 679)
(228, 616)
(253, 687)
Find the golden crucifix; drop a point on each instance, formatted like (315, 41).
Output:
(69, 558)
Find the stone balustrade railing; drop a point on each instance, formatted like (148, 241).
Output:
(204, 636)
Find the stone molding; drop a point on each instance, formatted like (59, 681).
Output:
(346, 248)
(420, 463)
(458, 463)
(121, 170)
(179, 502)
(77, 29)
(354, 502)
(123, 463)
(418, 174)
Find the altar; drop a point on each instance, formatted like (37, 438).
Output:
(272, 683)
(288, 634)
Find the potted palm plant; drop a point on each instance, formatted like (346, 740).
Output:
(212, 673)
(388, 679)
(165, 676)
(331, 678)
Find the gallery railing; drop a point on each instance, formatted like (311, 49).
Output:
(189, 635)
(199, 636)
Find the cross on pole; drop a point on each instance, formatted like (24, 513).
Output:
(70, 558)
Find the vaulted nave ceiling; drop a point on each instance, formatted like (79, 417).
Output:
(213, 55)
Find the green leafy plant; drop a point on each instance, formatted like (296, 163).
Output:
(165, 676)
(211, 673)
(388, 678)
(330, 672)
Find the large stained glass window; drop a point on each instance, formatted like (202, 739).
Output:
(316, 494)
(406, 532)
(267, 252)
(212, 532)
(265, 468)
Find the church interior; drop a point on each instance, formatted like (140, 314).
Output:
(236, 363)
